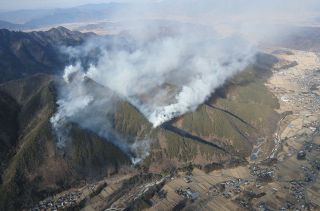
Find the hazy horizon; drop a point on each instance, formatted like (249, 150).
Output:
(45, 4)
(14, 5)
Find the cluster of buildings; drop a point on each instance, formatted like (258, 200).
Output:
(264, 174)
(297, 189)
(310, 99)
(228, 188)
(187, 193)
(69, 199)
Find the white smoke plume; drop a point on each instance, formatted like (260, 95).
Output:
(164, 68)
(192, 63)
(164, 75)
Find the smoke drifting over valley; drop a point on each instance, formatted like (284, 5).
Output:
(164, 68)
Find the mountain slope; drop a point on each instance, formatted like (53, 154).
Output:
(23, 54)
(35, 167)
(224, 128)
(221, 131)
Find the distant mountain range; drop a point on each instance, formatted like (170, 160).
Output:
(37, 18)
(8, 25)
(26, 19)
(300, 38)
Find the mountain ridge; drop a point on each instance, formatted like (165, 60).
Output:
(23, 54)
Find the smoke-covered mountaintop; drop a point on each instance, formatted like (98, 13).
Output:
(138, 67)
(193, 59)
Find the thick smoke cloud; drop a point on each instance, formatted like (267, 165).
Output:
(167, 73)
(164, 68)
(192, 64)
(164, 74)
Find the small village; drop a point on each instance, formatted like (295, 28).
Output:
(67, 200)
